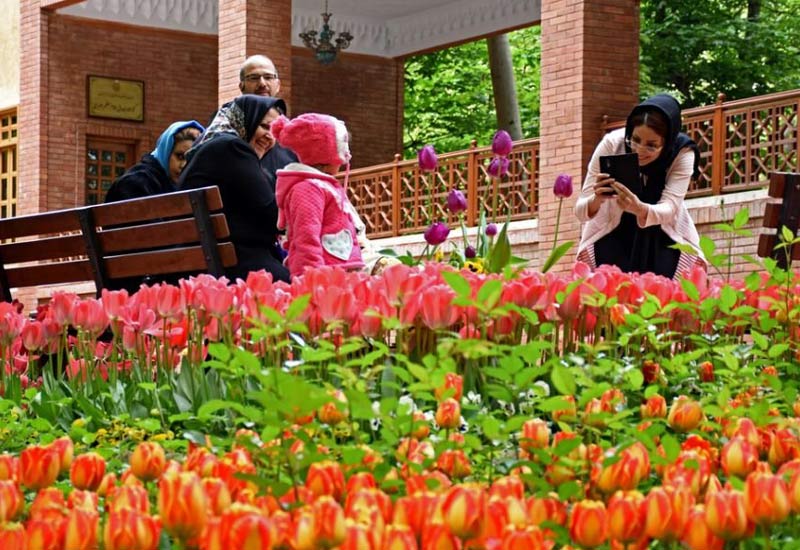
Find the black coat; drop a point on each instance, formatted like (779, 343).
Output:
(145, 179)
(248, 199)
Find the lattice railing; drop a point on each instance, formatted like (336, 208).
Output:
(742, 141)
(8, 163)
(398, 199)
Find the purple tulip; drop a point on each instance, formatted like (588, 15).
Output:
(498, 167)
(469, 252)
(428, 161)
(563, 186)
(491, 230)
(456, 201)
(436, 234)
(502, 144)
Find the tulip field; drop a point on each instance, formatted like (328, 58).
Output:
(424, 408)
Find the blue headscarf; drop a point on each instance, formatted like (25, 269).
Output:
(166, 141)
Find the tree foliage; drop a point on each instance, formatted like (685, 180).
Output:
(699, 48)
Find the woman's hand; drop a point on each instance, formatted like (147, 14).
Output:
(628, 201)
(603, 191)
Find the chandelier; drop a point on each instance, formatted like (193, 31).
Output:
(324, 50)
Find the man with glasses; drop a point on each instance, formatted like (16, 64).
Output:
(258, 76)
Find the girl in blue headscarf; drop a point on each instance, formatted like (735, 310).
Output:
(159, 170)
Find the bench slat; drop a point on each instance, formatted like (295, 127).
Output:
(161, 262)
(772, 214)
(156, 235)
(46, 274)
(52, 248)
(777, 184)
(58, 221)
(169, 205)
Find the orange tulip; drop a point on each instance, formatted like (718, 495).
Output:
(692, 469)
(496, 519)
(415, 511)
(587, 523)
(46, 500)
(697, 535)
(128, 497)
(128, 529)
(725, 514)
(107, 484)
(766, 498)
(334, 411)
(685, 414)
(420, 427)
(437, 536)
(568, 412)
(535, 435)
(85, 500)
(87, 471)
(326, 478)
(738, 457)
(218, 497)
(11, 501)
(361, 536)
(399, 537)
(9, 467)
(529, 538)
(148, 461)
(65, 450)
(45, 534)
(507, 486)
(360, 480)
(667, 512)
(38, 467)
(250, 531)
(464, 510)
(454, 463)
(626, 516)
(367, 499)
(453, 386)
(448, 414)
(182, 504)
(305, 531)
(81, 530)
(654, 406)
(631, 467)
(13, 535)
(329, 522)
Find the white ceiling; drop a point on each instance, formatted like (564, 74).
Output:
(388, 28)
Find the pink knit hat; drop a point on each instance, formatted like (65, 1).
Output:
(315, 138)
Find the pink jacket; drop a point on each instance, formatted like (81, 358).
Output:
(318, 218)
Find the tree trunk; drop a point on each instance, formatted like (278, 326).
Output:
(504, 85)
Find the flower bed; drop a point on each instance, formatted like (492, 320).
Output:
(422, 408)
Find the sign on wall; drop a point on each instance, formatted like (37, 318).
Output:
(115, 98)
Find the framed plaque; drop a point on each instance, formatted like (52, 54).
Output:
(115, 98)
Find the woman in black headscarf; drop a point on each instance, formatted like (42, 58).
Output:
(636, 233)
(227, 155)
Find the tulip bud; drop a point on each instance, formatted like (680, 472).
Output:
(563, 186)
(502, 145)
(587, 523)
(738, 457)
(329, 520)
(498, 167)
(453, 386)
(685, 414)
(81, 530)
(725, 514)
(697, 535)
(13, 535)
(87, 471)
(335, 411)
(250, 531)
(148, 461)
(84, 500)
(470, 252)
(766, 498)
(399, 537)
(128, 497)
(11, 501)
(706, 369)
(436, 233)
(654, 407)
(535, 434)
(182, 504)
(46, 534)
(491, 229)
(9, 467)
(464, 510)
(428, 162)
(127, 529)
(507, 486)
(38, 467)
(454, 463)
(626, 516)
(667, 512)
(448, 415)
(65, 450)
(326, 478)
(456, 201)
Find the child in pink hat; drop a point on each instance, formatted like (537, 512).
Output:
(319, 219)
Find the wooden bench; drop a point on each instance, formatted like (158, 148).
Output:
(182, 232)
(784, 213)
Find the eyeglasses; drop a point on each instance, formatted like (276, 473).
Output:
(258, 77)
(639, 147)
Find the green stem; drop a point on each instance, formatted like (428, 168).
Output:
(767, 538)
(558, 223)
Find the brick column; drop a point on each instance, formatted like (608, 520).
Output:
(590, 68)
(32, 120)
(250, 27)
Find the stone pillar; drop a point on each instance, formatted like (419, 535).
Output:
(32, 118)
(590, 68)
(250, 27)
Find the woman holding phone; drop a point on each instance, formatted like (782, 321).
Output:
(637, 232)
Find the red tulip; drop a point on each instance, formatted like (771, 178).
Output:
(13, 535)
(87, 471)
(528, 538)
(507, 486)
(587, 523)
(654, 406)
(38, 467)
(399, 537)
(454, 463)
(45, 534)
(217, 494)
(436, 536)
(453, 386)
(128, 497)
(437, 311)
(535, 434)
(9, 467)
(250, 531)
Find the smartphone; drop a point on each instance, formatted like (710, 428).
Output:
(625, 169)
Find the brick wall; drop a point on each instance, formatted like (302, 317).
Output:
(179, 72)
(590, 68)
(364, 91)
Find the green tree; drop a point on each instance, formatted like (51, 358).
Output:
(448, 94)
(699, 48)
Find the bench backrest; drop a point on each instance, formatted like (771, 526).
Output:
(173, 233)
(782, 213)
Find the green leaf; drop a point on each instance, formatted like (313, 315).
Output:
(458, 283)
(491, 427)
(563, 380)
(297, 307)
(556, 254)
(489, 293)
(671, 447)
(635, 378)
(219, 351)
(776, 350)
(741, 218)
(500, 253)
